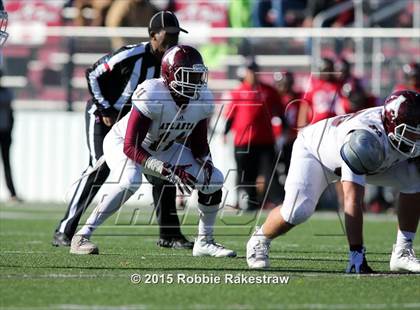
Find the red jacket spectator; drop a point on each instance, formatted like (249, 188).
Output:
(411, 76)
(250, 111)
(322, 98)
(290, 100)
(322, 94)
(249, 114)
(353, 97)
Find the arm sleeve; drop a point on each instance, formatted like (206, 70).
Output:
(102, 70)
(198, 140)
(137, 128)
(92, 75)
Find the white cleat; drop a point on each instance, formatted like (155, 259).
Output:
(257, 251)
(207, 247)
(83, 246)
(404, 259)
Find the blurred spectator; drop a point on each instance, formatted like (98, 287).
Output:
(411, 77)
(129, 13)
(278, 13)
(240, 17)
(91, 12)
(290, 100)
(343, 68)
(353, 97)
(321, 96)
(317, 6)
(249, 114)
(344, 18)
(240, 13)
(263, 14)
(6, 126)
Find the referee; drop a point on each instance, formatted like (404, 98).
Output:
(112, 80)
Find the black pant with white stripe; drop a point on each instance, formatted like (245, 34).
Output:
(5, 143)
(163, 193)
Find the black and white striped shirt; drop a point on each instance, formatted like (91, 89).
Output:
(113, 78)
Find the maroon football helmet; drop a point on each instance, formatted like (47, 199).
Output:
(401, 119)
(184, 71)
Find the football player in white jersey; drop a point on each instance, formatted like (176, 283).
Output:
(380, 146)
(167, 113)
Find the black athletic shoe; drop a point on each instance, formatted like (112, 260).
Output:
(179, 242)
(60, 239)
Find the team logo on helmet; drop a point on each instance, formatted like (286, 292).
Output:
(401, 119)
(393, 106)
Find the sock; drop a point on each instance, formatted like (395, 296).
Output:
(405, 238)
(207, 219)
(111, 202)
(260, 234)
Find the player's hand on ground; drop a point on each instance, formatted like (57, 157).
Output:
(180, 177)
(358, 263)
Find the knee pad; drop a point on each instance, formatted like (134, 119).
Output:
(210, 199)
(298, 212)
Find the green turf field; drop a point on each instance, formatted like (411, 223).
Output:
(34, 275)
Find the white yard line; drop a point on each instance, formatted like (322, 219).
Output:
(305, 306)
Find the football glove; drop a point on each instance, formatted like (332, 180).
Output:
(358, 263)
(180, 177)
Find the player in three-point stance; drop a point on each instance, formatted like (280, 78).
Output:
(380, 146)
(112, 81)
(151, 140)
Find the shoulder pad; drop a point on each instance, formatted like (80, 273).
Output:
(149, 97)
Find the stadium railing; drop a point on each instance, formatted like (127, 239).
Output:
(50, 136)
(70, 61)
